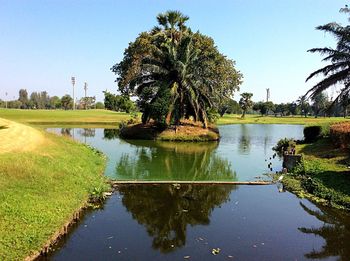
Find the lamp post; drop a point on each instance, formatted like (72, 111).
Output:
(73, 83)
(6, 100)
(85, 89)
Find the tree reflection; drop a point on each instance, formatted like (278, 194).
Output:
(335, 231)
(175, 161)
(66, 132)
(166, 210)
(110, 134)
(244, 140)
(87, 132)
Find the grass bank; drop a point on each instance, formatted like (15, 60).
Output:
(257, 119)
(41, 189)
(325, 177)
(104, 118)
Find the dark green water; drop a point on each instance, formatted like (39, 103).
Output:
(186, 222)
(242, 154)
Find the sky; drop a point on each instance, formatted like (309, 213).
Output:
(44, 43)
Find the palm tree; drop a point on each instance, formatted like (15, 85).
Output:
(245, 102)
(338, 71)
(170, 72)
(172, 23)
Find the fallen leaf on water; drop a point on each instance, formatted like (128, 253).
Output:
(230, 256)
(186, 257)
(215, 251)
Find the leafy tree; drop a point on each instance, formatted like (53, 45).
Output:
(39, 100)
(67, 102)
(87, 102)
(292, 108)
(23, 98)
(55, 102)
(100, 105)
(263, 107)
(245, 102)
(319, 103)
(229, 106)
(118, 102)
(175, 73)
(304, 106)
(338, 69)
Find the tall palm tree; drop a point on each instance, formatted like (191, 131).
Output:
(172, 24)
(245, 102)
(338, 71)
(170, 70)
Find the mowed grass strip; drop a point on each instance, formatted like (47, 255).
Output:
(41, 189)
(258, 119)
(101, 118)
(65, 117)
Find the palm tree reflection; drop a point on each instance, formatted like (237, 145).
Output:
(175, 161)
(335, 231)
(166, 210)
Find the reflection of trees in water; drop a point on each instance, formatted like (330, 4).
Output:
(87, 132)
(244, 140)
(66, 131)
(166, 210)
(110, 134)
(171, 161)
(335, 231)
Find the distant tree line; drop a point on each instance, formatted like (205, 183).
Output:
(319, 105)
(42, 100)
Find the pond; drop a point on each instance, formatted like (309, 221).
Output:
(192, 221)
(244, 153)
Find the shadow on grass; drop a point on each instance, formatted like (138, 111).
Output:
(325, 149)
(2, 127)
(328, 168)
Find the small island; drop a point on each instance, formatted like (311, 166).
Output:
(180, 80)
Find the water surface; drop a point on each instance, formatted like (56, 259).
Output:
(177, 222)
(167, 222)
(243, 154)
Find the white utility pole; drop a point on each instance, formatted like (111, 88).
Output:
(73, 83)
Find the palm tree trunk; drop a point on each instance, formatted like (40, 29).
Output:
(243, 114)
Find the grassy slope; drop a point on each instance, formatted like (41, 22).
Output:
(104, 117)
(95, 117)
(329, 166)
(255, 119)
(41, 189)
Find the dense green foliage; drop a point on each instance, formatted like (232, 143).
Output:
(284, 145)
(312, 133)
(118, 102)
(176, 73)
(42, 101)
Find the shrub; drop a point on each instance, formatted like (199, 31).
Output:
(312, 133)
(284, 145)
(340, 134)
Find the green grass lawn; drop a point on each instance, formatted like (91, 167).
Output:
(255, 119)
(61, 117)
(327, 176)
(96, 118)
(41, 189)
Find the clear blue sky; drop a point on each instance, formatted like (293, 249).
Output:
(44, 43)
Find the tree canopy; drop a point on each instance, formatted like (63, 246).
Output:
(176, 73)
(338, 69)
